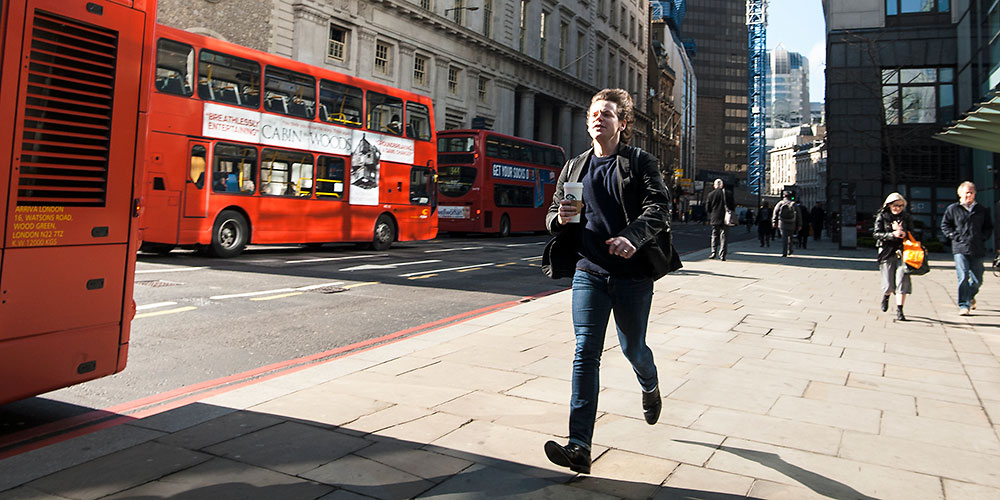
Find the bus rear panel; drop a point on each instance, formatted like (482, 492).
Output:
(72, 95)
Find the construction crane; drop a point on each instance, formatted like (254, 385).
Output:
(756, 96)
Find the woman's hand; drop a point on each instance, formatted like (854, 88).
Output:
(620, 246)
(567, 209)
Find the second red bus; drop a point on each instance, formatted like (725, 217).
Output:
(494, 183)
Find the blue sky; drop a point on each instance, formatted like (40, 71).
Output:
(800, 27)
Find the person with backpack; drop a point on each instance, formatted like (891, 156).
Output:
(786, 218)
(613, 254)
(892, 223)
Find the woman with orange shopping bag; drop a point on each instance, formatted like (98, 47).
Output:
(892, 225)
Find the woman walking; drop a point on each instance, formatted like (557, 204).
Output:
(892, 223)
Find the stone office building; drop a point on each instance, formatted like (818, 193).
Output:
(520, 67)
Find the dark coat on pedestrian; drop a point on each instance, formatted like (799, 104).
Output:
(886, 242)
(719, 201)
(764, 219)
(817, 216)
(646, 203)
(967, 229)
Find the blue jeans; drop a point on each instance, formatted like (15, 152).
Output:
(970, 277)
(594, 298)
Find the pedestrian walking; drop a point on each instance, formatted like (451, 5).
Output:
(967, 224)
(625, 206)
(787, 219)
(892, 223)
(749, 219)
(803, 233)
(817, 216)
(718, 203)
(764, 224)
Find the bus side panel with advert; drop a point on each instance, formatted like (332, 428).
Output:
(73, 98)
(494, 183)
(247, 147)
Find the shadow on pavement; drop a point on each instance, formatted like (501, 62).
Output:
(819, 484)
(249, 455)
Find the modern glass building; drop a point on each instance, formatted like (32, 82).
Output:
(718, 29)
(787, 88)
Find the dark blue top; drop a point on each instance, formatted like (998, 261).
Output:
(603, 217)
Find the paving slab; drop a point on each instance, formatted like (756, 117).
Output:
(290, 447)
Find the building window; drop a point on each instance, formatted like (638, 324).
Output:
(383, 58)
(425, 4)
(483, 84)
(613, 17)
(631, 78)
(522, 24)
(420, 70)
(458, 12)
(622, 26)
(631, 28)
(337, 49)
(597, 64)
(453, 80)
(563, 42)
(601, 8)
(918, 95)
(896, 7)
(487, 18)
(541, 36)
(581, 40)
(642, 40)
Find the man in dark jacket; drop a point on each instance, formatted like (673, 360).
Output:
(625, 207)
(718, 203)
(967, 224)
(817, 216)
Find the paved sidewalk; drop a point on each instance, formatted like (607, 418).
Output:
(781, 380)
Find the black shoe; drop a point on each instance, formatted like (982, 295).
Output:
(723, 257)
(885, 303)
(711, 256)
(899, 314)
(651, 405)
(572, 455)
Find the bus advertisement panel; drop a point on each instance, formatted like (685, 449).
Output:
(73, 98)
(494, 183)
(247, 147)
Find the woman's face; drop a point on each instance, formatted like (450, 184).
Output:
(897, 207)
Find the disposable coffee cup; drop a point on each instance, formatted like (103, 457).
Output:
(573, 191)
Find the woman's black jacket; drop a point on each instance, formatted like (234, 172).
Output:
(885, 241)
(646, 203)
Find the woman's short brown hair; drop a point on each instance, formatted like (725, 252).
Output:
(626, 110)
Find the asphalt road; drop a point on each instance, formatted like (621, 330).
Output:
(203, 319)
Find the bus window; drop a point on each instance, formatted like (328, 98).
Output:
(383, 111)
(492, 147)
(285, 173)
(456, 144)
(234, 169)
(330, 177)
(228, 79)
(420, 186)
(174, 67)
(339, 103)
(418, 122)
(507, 195)
(455, 180)
(197, 171)
(289, 93)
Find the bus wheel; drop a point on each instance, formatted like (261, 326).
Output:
(385, 232)
(157, 248)
(229, 234)
(504, 227)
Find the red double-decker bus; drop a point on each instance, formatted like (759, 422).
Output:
(248, 147)
(494, 183)
(73, 99)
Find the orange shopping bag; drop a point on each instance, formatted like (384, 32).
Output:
(914, 256)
